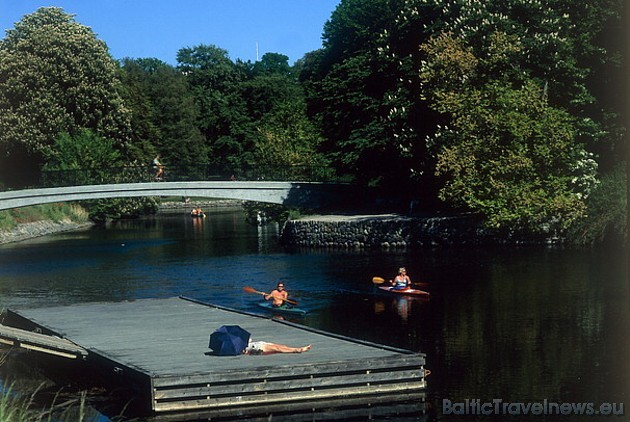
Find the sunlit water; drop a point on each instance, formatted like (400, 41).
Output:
(517, 324)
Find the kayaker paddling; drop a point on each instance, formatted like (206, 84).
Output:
(401, 281)
(277, 296)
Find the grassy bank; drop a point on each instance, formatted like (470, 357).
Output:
(10, 219)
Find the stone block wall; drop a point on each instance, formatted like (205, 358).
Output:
(396, 232)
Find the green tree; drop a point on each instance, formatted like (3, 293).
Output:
(223, 120)
(507, 153)
(288, 139)
(272, 63)
(363, 89)
(83, 158)
(164, 112)
(56, 76)
(86, 158)
(261, 94)
(250, 114)
(363, 86)
(606, 216)
(85, 150)
(135, 76)
(574, 50)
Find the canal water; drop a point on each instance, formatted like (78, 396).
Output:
(531, 325)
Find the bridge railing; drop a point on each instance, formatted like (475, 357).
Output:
(193, 172)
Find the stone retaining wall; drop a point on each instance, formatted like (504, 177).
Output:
(386, 232)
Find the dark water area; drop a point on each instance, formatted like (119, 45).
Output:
(520, 325)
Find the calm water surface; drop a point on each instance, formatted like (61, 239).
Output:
(517, 324)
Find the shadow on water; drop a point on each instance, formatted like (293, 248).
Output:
(516, 324)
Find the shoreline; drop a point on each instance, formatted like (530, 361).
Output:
(382, 231)
(35, 229)
(32, 230)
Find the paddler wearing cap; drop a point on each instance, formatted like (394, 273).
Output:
(402, 280)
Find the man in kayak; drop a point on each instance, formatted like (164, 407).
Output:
(277, 295)
(402, 280)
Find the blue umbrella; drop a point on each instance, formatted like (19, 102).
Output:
(229, 340)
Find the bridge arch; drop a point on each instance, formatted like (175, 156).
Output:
(312, 195)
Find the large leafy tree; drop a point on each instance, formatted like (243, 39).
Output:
(272, 64)
(275, 101)
(85, 150)
(250, 113)
(164, 112)
(288, 139)
(85, 157)
(215, 82)
(380, 119)
(89, 158)
(507, 153)
(262, 94)
(515, 52)
(574, 50)
(55, 76)
(363, 90)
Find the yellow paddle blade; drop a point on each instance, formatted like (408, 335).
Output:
(378, 280)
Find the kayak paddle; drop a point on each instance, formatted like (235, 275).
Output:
(252, 290)
(378, 280)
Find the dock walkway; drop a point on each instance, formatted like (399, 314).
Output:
(164, 344)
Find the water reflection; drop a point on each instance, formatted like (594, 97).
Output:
(537, 329)
(515, 323)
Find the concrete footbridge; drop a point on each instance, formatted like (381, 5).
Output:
(312, 195)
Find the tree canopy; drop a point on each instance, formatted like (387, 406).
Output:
(164, 113)
(56, 76)
(508, 154)
(494, 104)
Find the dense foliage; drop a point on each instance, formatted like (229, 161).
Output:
(88, 159)
(507, 152)
(363, 88)
(506, 108)
(509, 109)
(55, 76)
(164, 114)
(607, 213)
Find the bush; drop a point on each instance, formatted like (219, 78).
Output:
(607, 212)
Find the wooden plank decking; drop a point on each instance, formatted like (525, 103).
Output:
(165, 341)
(38, 342)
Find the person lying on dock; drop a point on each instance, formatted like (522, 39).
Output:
(266, 348)
(278, 295)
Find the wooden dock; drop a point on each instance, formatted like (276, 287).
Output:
(161, 346)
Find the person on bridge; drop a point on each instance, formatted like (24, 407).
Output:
(277, 295)
(159, 167)
(401, 281)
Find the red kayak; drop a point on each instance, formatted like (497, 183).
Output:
(407, 291)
